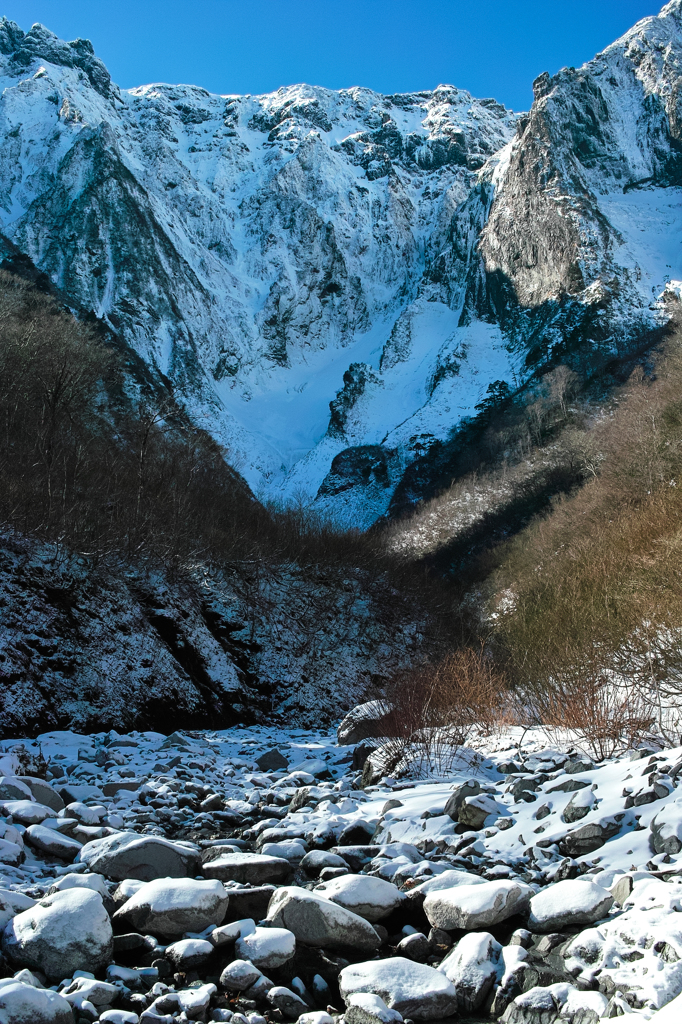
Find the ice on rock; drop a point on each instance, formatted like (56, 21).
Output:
(172, 906)
(473, 967)
(569, 903)
(365, 895)
(24, 1004)
(267, 948)
(66, 932)
(476, 906)
(414, 990)
(316, 921)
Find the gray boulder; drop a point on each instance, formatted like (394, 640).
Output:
(666, 831)
(253, 868)
(43, 792)
(316, 921)
(130, 855)
(459, 795)
(475, 810)
(25, 1004)
(12, 903)
(66, 932)
(363, 721)
(49, 841)
(12, 788)
(589, 838)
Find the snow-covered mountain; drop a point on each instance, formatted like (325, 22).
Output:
(390, 255)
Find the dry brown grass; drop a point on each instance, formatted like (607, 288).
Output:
(590, 619)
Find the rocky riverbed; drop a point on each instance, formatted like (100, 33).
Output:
(256, 875)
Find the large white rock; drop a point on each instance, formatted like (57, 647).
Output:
(48, 841)
(78, 880)
(476, 906)
(66, 932)
(239, 975)
(316, 921)
(27, 812)
(366, 1008)
(172, 906)
(130, 855)
(24, 1004)
(12, 903)
(414, 990)
(267, 948)
(472, 967)
(254, 868)
(365, 895)
(572, 902)
(447, 880)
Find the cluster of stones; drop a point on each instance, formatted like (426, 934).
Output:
(260, 926)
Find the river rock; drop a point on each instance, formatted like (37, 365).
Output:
(471, 907)
(24, 1004)
(568, 904)
(414, 990)
(53, 843)
(42, 792)
(254, 868)
(267, 948)
(12, 903)
(472, 967)
(172, 906)
(365, 895)
(459, 795)
(589, 838)
(66, 932)
(130, 855)
(316, 921)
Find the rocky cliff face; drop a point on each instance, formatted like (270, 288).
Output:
(392, 255)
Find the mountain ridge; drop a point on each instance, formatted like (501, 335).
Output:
(392, 256)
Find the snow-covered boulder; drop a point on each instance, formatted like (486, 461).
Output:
(267, 948)
(472, 967)
(187, 954)
(476, 906)
(567, 904)
(239, 975)
(81, 880)
(414, 990)
(119, 1017)
(289, 1004)
(12, 903)
(53, 843)
(12, 788)
(365, 895)
(316, 921)
(474, 811)
(316, 860)
(367, 1008)
(559, 1002)
(66, 932)
(459, 794)
(130, 855)
(26, 812)
(363, 721)
(42, 792)
(172, 906)
(666, 830)
(254, 868)
(24, 1004)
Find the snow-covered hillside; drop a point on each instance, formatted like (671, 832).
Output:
(272, 254)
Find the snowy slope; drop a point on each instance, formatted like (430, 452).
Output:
(391, 255)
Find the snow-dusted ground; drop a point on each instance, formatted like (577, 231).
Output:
(541, 814)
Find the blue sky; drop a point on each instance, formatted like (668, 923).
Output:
(491, 47)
